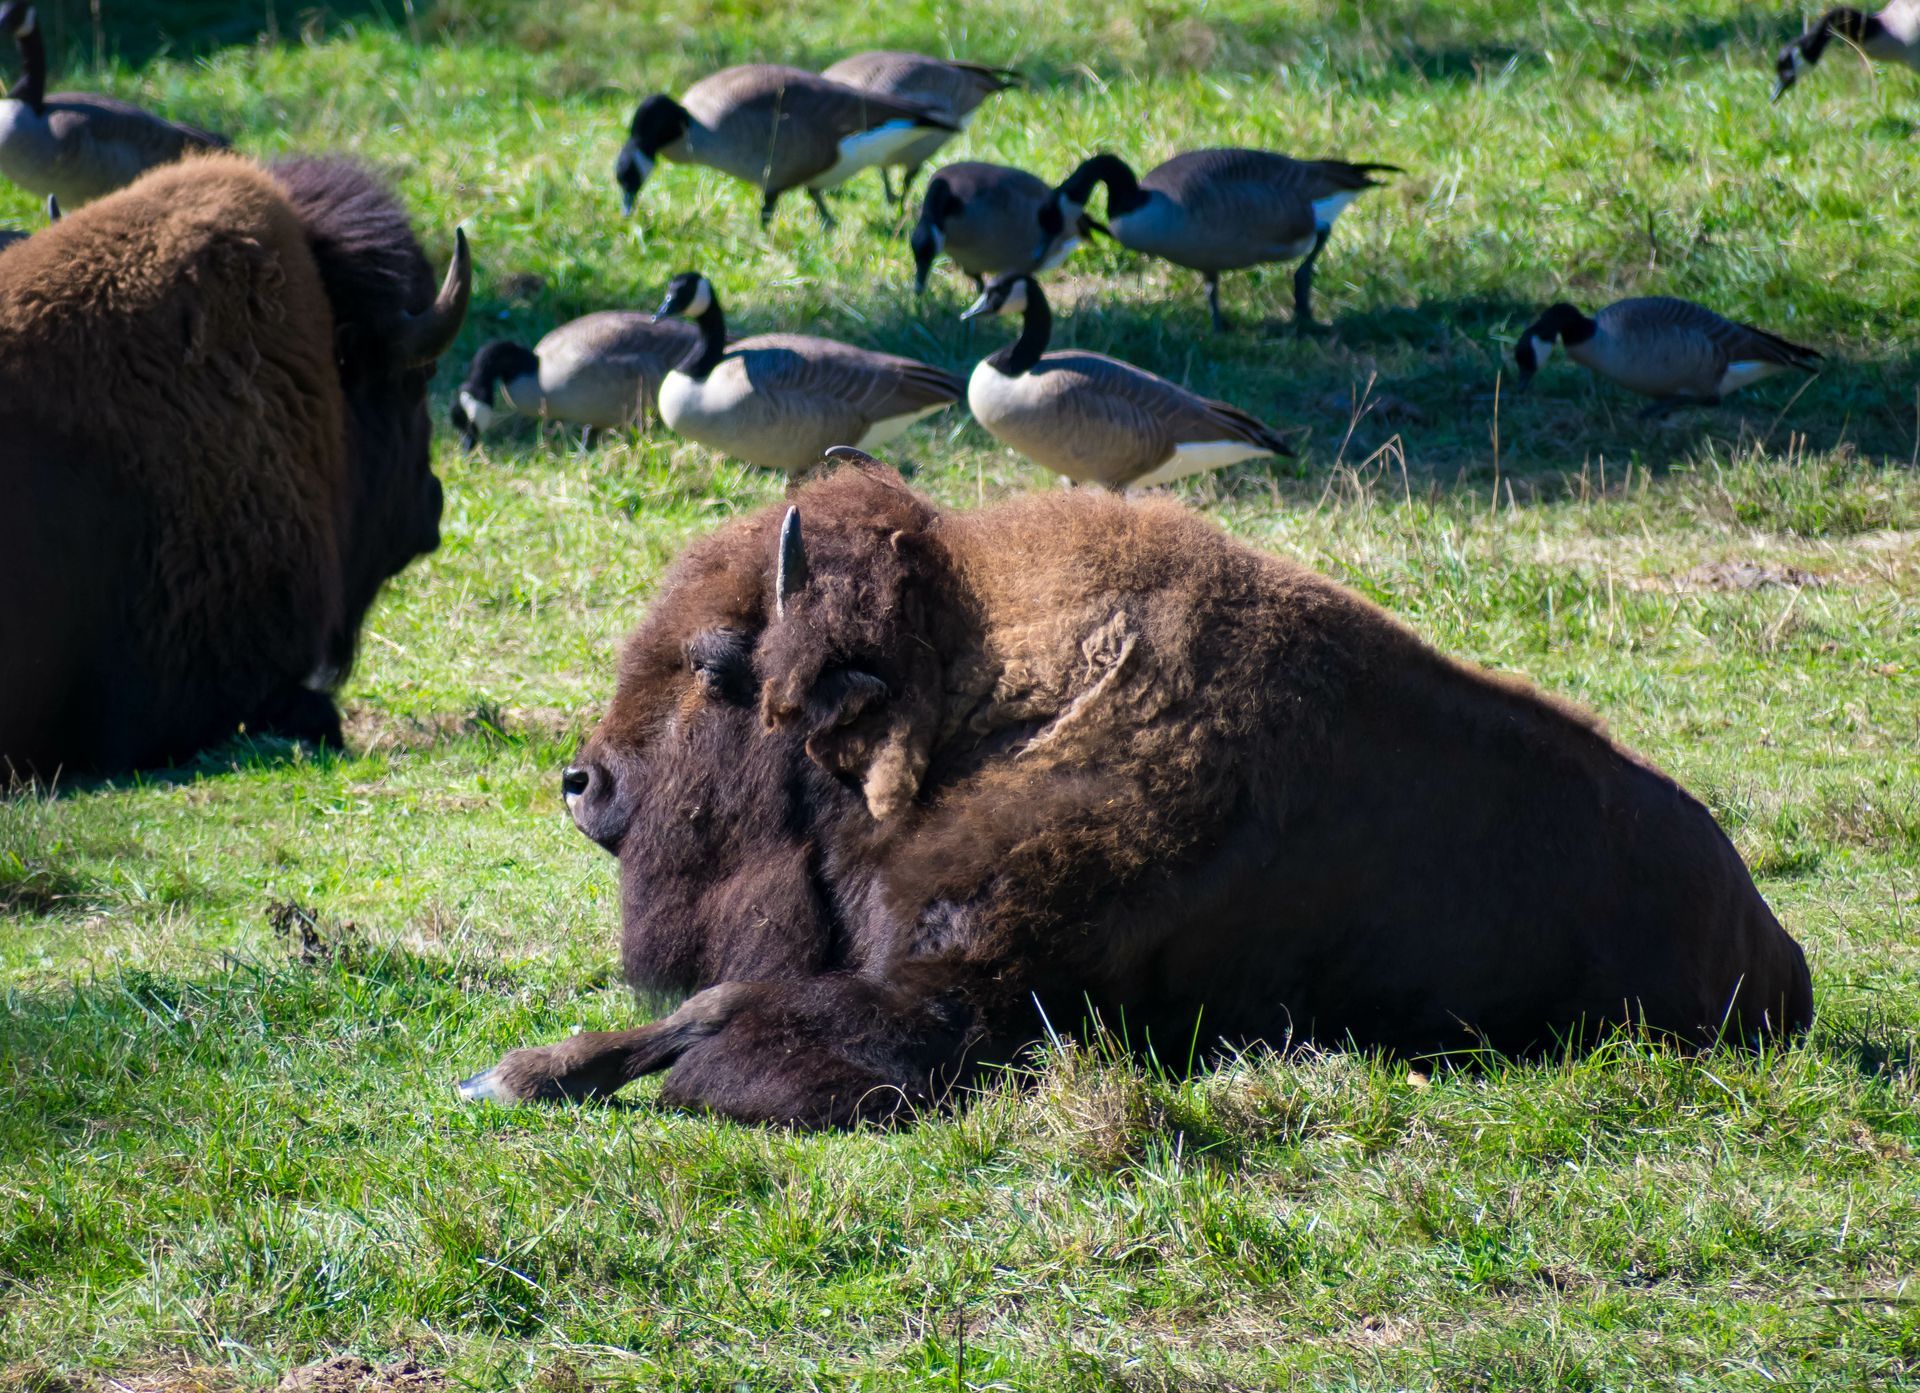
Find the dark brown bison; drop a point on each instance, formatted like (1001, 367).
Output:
(213, 447)
(886, 783)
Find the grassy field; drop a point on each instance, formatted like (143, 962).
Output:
(226, 1150)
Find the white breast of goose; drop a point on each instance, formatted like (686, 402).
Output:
(1053, 415)
(26, 145)
(866, 149)
(709, 409)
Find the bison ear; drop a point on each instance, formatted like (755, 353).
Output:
(859, 730)
(851, 653)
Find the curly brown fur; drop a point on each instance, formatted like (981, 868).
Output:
(1073, 753)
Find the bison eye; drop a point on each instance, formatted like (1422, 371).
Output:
(722, 660)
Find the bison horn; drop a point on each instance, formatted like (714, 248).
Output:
(423, 337)
(791, 578)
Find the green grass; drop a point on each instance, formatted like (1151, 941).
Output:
(223, 1153)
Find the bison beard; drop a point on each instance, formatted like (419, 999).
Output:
(214, 446)
(887, 783)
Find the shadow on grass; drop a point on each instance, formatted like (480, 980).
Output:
(136, 32)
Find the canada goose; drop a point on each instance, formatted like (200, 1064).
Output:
(777, 128)
(600, 371)
(1094, 419)
(1677, 352)
(77, 146)
(951, 89)
(992, 220)
(779, 400)
(1891, 35)
(1224, 210)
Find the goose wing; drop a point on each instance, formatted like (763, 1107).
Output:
(1689, 339)
(783, 126)
(108, 119)
(858, 384)
(1096, 391)
(951, 87)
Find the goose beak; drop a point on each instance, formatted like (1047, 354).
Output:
(628, 198)
(978, 307)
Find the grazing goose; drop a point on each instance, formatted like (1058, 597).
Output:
(76, 146)
(949, 88)
(1224, 210)
(776, 128)
(1677, 352)
(1094, 419)
(992, 220)
(1891, 35)
(600, 371)
(779, 400)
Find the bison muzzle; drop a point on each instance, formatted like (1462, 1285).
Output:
(892, 787)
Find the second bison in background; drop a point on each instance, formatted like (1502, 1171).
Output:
(887, 782)
(213, 447)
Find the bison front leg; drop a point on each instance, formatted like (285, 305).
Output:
(819, 1052)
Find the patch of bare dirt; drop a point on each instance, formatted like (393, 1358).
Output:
(348, 1373)
(370, 730)
(1739, 576)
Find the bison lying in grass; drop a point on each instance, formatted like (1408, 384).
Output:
(213, 451)
(887, 782)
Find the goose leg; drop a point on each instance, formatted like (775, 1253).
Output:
(1303, 283)
(1213, 303)
(586, 439)
(886, 182)
(906, 180)
(1666, 406)
(821, 204)
(767, 200)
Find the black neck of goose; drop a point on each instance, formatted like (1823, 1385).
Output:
(1020, 355)
(705, 355)
(1848, 24)
(31, 90)
(1123, 189)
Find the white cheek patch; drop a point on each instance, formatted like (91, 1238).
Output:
(1016, 299)
(1325, 210)
(644, 163)
(702, 300)
(1542, 350)
(477, 411)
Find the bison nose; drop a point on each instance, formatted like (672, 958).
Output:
(574, 782)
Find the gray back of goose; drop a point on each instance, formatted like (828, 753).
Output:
(996, 228)
(80, 146)
(780, 128)
(1226, 209)
(1098, 420)
(780, 400)
(605, 369)
(1664, 347)
(952, 89)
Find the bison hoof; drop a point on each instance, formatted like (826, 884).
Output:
(485, 1087)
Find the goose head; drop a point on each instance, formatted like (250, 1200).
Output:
(689, 296)
(17, 18)
(1558, 323)
(1850, 24)
(475, 406)
(930, 233)
(1007, 295)
(657, 122)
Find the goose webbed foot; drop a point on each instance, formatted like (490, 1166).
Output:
(1664, 407)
